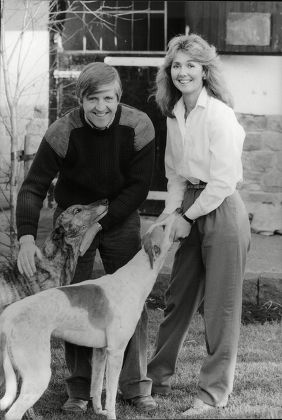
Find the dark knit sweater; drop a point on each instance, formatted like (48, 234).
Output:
(91, 164)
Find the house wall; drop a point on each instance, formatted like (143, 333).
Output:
(256, 84)
(29, 59)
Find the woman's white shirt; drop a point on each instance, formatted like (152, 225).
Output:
(208, 147)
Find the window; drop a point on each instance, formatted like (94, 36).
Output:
(115, 26)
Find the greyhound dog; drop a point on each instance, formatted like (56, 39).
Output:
(101, 313)
(60, 252)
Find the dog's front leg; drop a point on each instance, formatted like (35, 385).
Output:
(114, 365)
(98, 370)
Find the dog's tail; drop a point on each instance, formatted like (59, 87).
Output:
(2, 346)
(7, 375)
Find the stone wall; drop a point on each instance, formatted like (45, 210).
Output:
(262, 162)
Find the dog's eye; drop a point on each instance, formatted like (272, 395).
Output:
(76, 210)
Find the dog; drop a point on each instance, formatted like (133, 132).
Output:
(101, 313)
(60, 252)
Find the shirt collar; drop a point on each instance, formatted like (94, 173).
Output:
(202, 101)
(203, 98)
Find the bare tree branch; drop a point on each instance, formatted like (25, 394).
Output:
(17, 84)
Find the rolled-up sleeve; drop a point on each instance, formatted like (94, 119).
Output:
(176, 183)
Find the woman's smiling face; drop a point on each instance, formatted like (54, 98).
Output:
(186, 74)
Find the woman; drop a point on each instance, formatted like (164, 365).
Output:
(203, 166)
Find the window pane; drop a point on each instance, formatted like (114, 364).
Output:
(140, 32)
(124, 32)
(176, 21)
(123, 4)
(112, 4)
(141, 5)
(157, 33)
(109, 34)
(157, 5)
(72, 33)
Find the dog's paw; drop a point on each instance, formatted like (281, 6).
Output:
(5, 402)
(100, 411)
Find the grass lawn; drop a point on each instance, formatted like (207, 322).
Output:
(257, 387)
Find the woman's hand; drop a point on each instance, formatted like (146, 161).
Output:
(161, 217)
(180, 229)
(28, 250)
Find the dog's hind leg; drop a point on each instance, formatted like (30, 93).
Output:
(10, 382)
(33, 385)
(33, 364)
(114, 365)
(98, 370)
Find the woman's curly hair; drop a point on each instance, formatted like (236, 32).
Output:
(199, 50)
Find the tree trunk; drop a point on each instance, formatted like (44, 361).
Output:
(13, 180)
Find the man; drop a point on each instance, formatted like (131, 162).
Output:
(102, 149)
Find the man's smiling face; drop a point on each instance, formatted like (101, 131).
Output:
(100, 107)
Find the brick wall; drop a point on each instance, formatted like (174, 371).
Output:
(262, 162)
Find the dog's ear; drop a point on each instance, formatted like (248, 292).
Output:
(74, 231)
(58, 233)
(157, 250)
(148, 247)
(151, 249)
(56, 241)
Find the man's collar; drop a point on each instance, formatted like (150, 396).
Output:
(113, 122)
(94, 126)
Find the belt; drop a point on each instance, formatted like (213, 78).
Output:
(200, 186)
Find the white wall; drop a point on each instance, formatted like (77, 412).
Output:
(255, 82)
(34, 65)
(27, 59)
(27, 56)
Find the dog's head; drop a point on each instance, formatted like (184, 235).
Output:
(73, 223)
(157, 240)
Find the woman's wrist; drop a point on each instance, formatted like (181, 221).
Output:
(188, 220)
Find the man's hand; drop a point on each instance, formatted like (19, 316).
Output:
(180, 229)
(89, 237)
(28, 250)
